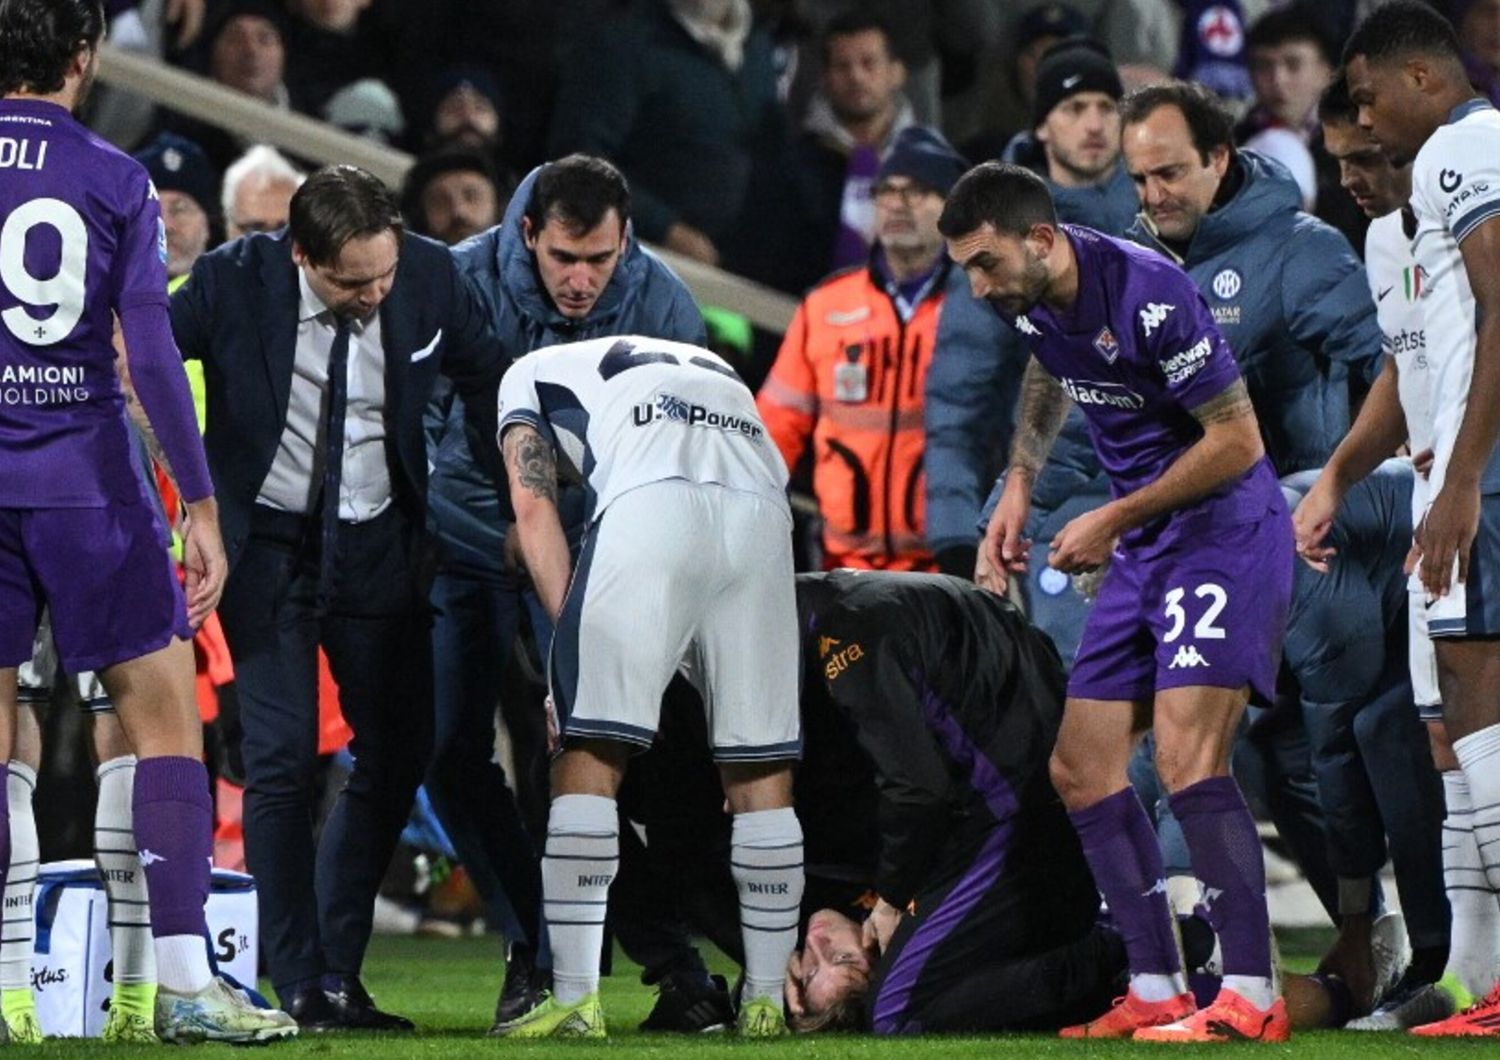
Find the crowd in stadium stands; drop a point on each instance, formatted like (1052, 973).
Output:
(809, 145)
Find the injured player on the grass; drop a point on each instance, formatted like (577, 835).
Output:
(829, 982)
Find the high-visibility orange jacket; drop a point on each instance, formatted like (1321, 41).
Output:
(849, 378)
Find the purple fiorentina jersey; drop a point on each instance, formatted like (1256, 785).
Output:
(1138, 351)
(82, 237)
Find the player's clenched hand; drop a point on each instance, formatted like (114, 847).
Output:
(1086, 543)
(1447, 532)
(1311, 522)
(1421, 462)
(203, 560)
(881, 925)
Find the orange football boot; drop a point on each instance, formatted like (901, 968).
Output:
(1130, 1014)
(1479, 1020)
(1229, 1019)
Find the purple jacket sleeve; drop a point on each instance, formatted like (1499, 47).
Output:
(161, 384)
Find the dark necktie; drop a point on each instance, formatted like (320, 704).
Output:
(333, 459)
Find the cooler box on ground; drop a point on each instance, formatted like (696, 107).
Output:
(71, 971)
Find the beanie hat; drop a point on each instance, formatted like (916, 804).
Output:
(1072, 67)
(920, 153)
(268, 10)
(1050, 20)
(178, 164)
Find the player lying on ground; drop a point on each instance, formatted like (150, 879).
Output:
(987, 918)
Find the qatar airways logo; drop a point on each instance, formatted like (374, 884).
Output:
(1109, 395)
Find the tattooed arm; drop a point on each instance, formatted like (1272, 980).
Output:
(1044, 407)
(135, 410)
(1004, 550)
(1230, 446)
(531, 470)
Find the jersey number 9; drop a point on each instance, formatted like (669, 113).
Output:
(63, 290)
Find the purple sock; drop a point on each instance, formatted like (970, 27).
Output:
(1121, 848)
(1226, 855)
(174, 833)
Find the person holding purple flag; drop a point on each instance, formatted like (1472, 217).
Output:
(1191, 612)
(83, 243)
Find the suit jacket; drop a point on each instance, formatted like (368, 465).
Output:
(238, 315)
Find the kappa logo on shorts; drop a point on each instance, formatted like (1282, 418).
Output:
(149, 858)
(1026, 327)
(1187, 656)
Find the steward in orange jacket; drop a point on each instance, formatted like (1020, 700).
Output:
(851, 370)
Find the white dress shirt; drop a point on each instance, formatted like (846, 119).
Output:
(296, 473)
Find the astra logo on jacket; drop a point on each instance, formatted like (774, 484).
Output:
(841, 660)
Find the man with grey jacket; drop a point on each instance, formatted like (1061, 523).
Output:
(563, 265)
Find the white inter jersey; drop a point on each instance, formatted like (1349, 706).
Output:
(1455, 189)
(1396, 285)
(627, 410)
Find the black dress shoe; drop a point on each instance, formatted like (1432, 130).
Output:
(691, 1005)
(311, 1009)
(356, 1008)
(524, 985)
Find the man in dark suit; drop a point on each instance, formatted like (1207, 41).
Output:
(321, 346)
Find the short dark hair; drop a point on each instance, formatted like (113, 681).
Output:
(578, 190)
(1011, 198)
(852, 22)
(1292, 25)
(435, 164)
(1208, 120)
(1402, 28)
(1335, 107)
(39, 38)
(339, 203)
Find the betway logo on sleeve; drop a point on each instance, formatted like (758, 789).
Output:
(1180, 367)
(678, 410)
(1111, 395)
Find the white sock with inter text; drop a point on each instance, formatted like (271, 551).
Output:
(580, 862)
(19, 928)
(1474, 948)
(766, 861)
(115, 853)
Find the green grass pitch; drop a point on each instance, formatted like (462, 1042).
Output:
(448, 987)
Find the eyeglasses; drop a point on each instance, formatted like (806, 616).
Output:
(252, 225)
(908, 194)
